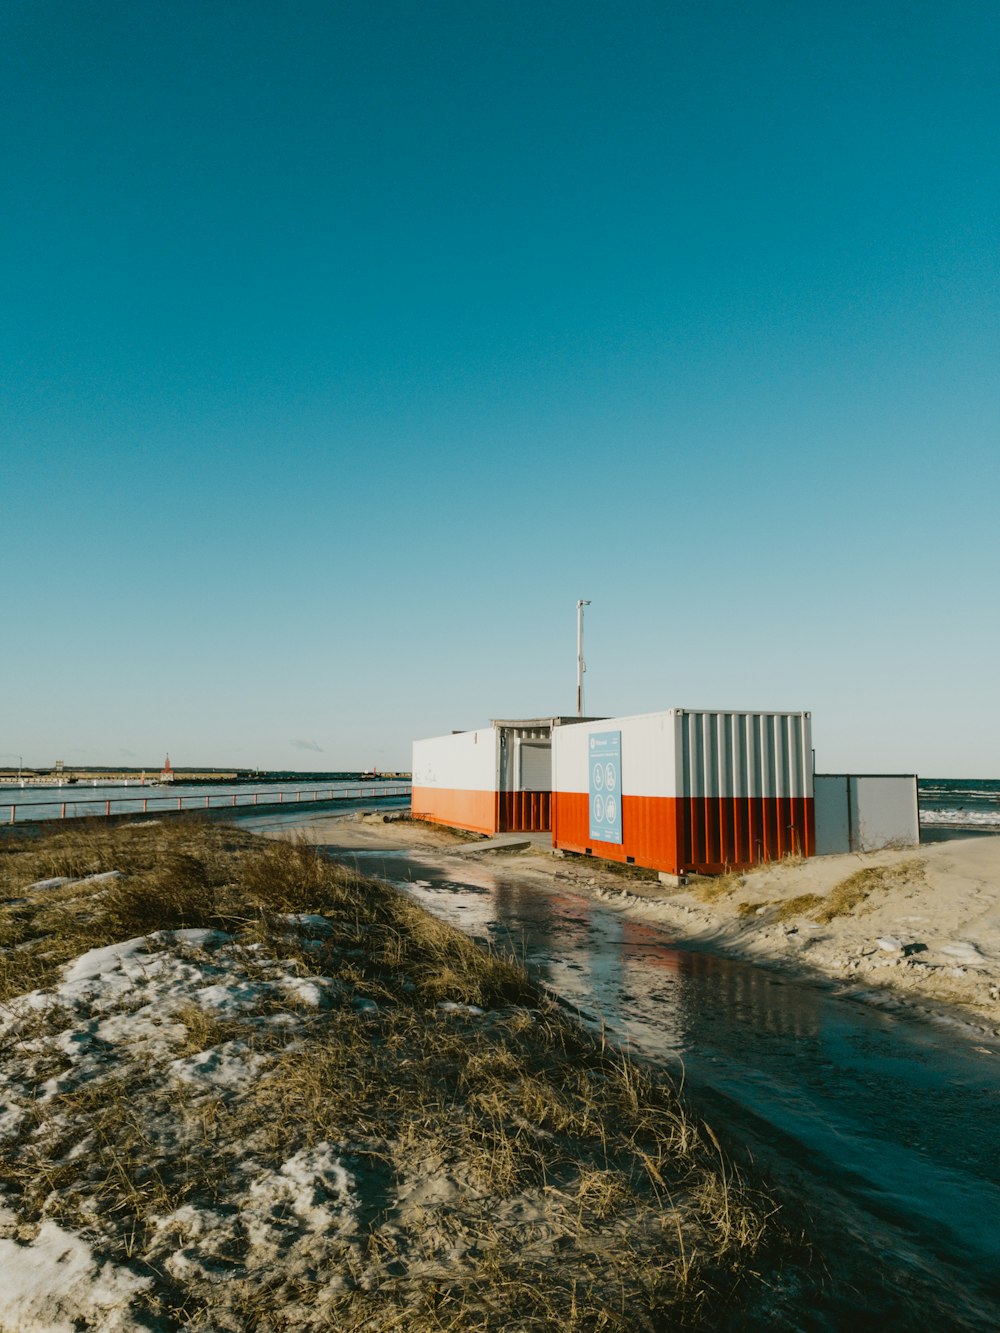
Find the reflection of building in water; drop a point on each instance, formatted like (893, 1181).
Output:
(663, 1000)
(607, 966)
(733, 999)
(543, 930)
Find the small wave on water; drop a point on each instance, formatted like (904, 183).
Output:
(959, 803)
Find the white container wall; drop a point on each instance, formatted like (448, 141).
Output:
(456, 779)
(865, 812)
(496, 779)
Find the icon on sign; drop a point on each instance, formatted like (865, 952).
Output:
(610, 777)
(591, 742)
(599, 809)
(598, 775)
(610, 809)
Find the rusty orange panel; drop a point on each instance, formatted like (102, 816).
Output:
(525, 812)
(473, 810)
(730, 833)
(705, 835)
(649, 824)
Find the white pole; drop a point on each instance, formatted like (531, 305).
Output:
(581, 665)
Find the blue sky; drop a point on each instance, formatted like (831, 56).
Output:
(343, 346)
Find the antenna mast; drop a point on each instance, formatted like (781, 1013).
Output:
(581, 665)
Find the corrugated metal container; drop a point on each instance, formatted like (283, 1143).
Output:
(494, 780)
(685, 791)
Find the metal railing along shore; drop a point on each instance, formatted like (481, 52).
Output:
(30, 813)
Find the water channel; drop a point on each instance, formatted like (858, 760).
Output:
(879, 1133)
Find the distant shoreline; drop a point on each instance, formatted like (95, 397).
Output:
(951, 832)
(182, 777)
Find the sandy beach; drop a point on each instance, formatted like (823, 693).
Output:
(915, 928)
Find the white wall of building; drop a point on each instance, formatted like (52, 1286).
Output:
(858, 812)
(686, 753)
(463, 761)
(648, 754)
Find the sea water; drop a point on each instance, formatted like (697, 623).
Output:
(20, 804)
(964, 805)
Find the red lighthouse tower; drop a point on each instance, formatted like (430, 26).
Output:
(166, 772)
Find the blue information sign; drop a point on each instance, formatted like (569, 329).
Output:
(605, 767)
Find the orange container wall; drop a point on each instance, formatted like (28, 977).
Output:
(472, 810)
(719, 833)
(706, 836)
(484, 811)
(525, 811)
(650, 824)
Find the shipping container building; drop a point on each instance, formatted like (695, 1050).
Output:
(494, 780)
(685, 791)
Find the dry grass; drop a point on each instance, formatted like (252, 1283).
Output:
(787, 908)
(847, 896)
(710, 888)
(850, 893)
(577, 1193)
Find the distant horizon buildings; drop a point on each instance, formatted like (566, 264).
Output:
(61, 774)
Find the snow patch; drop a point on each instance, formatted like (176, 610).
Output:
(232, 997)
(102, 962)
(55, 1284)
(312, 1191)
(196, 937)
(228, 1067)
(319, 925)
(119, 1012)
(965, 951)
(313, 992)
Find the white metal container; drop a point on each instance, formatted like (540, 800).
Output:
(695, 790)
(496, 779)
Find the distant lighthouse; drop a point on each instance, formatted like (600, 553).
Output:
(166, 772)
